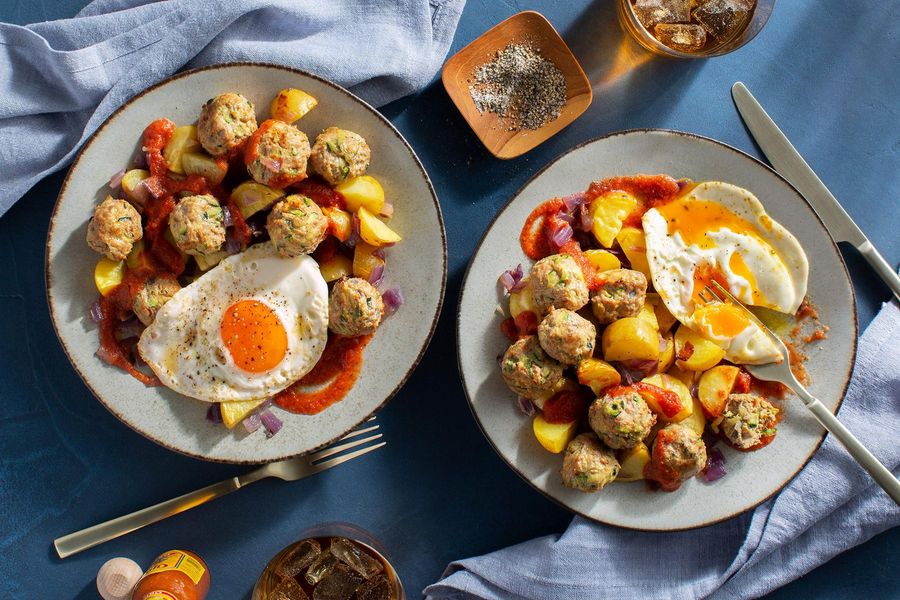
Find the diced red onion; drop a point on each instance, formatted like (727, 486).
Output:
(506, 280)
(354, 238)
(140, 160)
(710, 439)
(116, 180)
(377, 275)
(252, 422)
(566, 218)
(640, 368)
(272, 423)
(227, 219)
(387, 210)
(512, 280)
(232, 246)
(154, 186)
(95, 312)
(573, 201)
(393, 300)
(585, 220)
(132, 328)
(140, 195)
(105, 355)
(715, 465)
(269, 162)
(562, 235)
(525, 405)
(663, 343)
(214, 413)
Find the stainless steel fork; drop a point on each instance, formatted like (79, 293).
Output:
(781, 372)
(288, 470)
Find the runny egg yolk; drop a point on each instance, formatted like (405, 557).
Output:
(253, 335)
(695, 219)
(722, 320)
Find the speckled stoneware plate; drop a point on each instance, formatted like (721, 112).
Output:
(417, 265)
(752, 477)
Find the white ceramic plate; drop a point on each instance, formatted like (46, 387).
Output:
(752, 477)
(417, 265)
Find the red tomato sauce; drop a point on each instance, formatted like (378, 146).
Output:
(337, 370)
(535, 236)
(657, 470)
(321, 193)
(565, 407)
(156, 136)
(650, 190)
(113, 308)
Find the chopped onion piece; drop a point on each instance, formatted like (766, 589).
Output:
(354, 238)
(393, 300)
(715, 465)
(95, 312)
(252, 423)
(376, 277)
(232, 246)
(131, 328)
(566, 217)
(116, 180)
(513, 280)
(387, 211)
(105, 355)
(140, 195)
(585, 220)
(269, 162)
(227, 219)
(272, 423)
(154, 186)
(573, 201)
(525, 405)
(214, 413)
(562, 235)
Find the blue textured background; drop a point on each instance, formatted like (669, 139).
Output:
(827, 70)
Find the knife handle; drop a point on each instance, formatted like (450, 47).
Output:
(881, 266)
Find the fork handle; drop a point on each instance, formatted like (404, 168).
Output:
(876, 469)
(74, 543)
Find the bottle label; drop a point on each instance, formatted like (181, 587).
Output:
(176, 560)
(159, 595)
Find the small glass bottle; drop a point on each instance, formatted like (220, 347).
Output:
(174, 575)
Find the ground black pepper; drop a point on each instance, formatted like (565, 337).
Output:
(521, 86)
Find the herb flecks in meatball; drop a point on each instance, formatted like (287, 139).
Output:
(152, 296)
(746, 420)
(296, 225)
(225, 122)
(277, 154)
(621, 419)
(355, 307)
(557, 281)
(588, 465)
(339, 154)
(114, 228)
(678, 454)
(622, 295)
(567, 336)
(197, 225)
(527, 369)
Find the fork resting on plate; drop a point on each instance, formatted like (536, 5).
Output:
(781, 372)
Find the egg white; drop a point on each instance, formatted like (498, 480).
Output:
(774, 257)
(183, 345)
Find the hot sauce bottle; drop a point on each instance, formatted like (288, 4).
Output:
(174, 575)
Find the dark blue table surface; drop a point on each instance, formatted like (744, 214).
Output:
(827, 71)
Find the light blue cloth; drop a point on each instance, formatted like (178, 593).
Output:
(831, 506)
(59, 80)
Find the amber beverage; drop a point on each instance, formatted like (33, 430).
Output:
(174, 575)
(693, 28)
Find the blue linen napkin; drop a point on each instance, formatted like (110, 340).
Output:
(59, 80)
(831, 506)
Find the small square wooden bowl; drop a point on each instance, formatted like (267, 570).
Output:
(524, 27)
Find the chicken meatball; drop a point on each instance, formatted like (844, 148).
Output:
(567, 336)
(225, 122)
(557, 281)
(276, 156)
(198, 225)
(622, 295)
(746, 420)
(355, 308)
(114, 228)
(296, 225)
(339, 154)
(588, 465)
(151, 297)
(527, 370)
(621, 420)
(678, 454)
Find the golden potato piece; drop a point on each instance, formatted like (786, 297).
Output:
(693, 352)
(554, 437)
(291, 104)
(597, 374)
(603, 260)
(714, 387)
(630, 338)
(672, 384)
(608, 211)
(635, 248)
(632, 462)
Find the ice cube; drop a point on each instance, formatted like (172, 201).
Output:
(338, 584)
(723, 18)
(678, 36)
(288, 589)
(651, 12)
(321, 567)
(355, 557)
(377, 588)
(298, 559)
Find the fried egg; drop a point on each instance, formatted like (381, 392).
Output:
(246, 329)
(720, 232)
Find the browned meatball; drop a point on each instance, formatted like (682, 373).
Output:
(567, 336)
(197, 224)
(296, 225)
(558, 281)
(339, 154)
(746, 420)
(152, 296)
(621, 420)
(114, 228)
(355, 307)
(277, 155)
(588, 465)
(678, 454)
(527, 370)
(225, 122)
(622, 295)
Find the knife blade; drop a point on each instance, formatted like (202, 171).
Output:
(788, 162)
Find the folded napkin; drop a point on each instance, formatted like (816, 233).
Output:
(59, 80)
(832, 505)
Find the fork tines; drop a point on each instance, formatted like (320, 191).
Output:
(317, 458)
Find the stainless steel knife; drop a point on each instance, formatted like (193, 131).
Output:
(787, 161)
